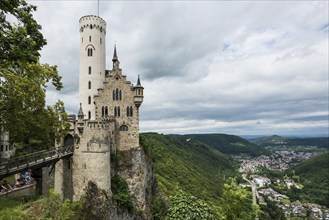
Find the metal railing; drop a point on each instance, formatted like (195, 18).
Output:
(30, 161)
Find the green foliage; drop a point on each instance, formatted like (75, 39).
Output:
(229, 144)
(236, 202)
(120, 192)
(23, 79)
(10, 207)
(185, 206)
(275, 140)
(158, 208)
(193, 166)
(42, 208)
(314, 176)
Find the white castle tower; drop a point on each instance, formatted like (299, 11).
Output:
(92, 61)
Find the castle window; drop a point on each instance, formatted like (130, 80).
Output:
(89, 100)
(113, 94)
(120, 95)
(89, 38)
(89, 70)
(6, 147)
(123, 128)
(117, 94)
(89, 115)
(106, 111)
(90, 52)
(1, 147)
(89, 85)
(115, 111)
(131, 111)
(103, 111)
(118, 110)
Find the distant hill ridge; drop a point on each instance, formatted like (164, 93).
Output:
(229, 144)
(321, 142)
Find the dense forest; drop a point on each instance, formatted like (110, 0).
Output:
(313, 174)
(229, 144)
(275, 140)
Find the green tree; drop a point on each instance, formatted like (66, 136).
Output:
(185, 206)
(236, 202)
(23, 79)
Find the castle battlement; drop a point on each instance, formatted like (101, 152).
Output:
(92, 21)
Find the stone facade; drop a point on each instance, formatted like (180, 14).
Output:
(106, 127)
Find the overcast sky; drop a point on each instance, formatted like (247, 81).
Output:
(257, 67)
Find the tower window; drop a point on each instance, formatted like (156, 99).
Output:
(89, 115)
(89, 85)
(129, 111)
(113, 95)
(89, 100)
(103, 111)
(117, 94)
(90, 38)
(89, 70)
(120, 95)
(90, 52)
(118, 110)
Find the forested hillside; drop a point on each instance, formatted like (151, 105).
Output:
(196, 180)
(188, 163)
(275, 140)
(314, 175)
(228, 144)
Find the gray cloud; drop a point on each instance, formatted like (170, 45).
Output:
(229, 67)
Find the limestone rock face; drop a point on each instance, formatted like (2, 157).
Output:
(135, 168)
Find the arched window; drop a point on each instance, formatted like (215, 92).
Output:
(123, 128)
(115, 111)
(118, 110)
(1, 147)
(89, 100)
(106, 111)
(120, 95)
(113, 94)
(89, 85)
(89, 70)
(128, 113)
(89, 115)
(103, 112)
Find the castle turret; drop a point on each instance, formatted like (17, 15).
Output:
(92, 61)
(138, 98)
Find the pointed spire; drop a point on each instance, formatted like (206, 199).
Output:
(115, 59)
(115, 56)
(138, 81)
(80, 111)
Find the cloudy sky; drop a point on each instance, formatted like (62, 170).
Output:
(244, 68)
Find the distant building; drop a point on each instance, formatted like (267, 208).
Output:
(6, 149)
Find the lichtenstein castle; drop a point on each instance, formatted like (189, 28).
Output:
(107, 125)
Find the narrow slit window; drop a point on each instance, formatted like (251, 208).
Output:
(89, 100)
(89, 70)
(89, 85)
